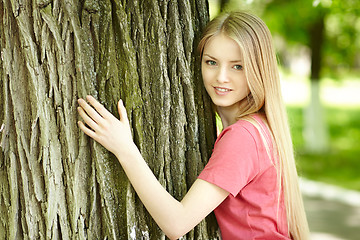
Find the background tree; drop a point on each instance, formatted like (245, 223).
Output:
(303, 23)
(222, 5)
(318, 25)
(55, 183)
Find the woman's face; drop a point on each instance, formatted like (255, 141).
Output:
(223, 72)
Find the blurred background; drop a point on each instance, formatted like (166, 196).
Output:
(318, 47)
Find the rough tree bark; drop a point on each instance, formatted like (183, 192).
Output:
(55, 183)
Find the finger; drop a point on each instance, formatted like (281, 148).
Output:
(90, 111)
(86, 130)
(99, 107)
(122, 111)
(88, 120)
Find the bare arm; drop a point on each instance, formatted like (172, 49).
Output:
(173, 217)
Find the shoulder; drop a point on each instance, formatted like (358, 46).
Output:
(236, 134)
(241, 130)
(237, 140)
(250, 133)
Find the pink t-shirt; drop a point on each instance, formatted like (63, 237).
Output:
(240, 165)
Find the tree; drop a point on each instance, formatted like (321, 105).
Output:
(328, 29)
(308, 29)
(223, 4)
(55, 183)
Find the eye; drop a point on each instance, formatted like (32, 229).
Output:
(238, 67)
(210, 62)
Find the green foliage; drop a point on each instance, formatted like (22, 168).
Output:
(340, 165)
(343, 40)
(292, 20)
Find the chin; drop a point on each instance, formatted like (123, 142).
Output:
(223, 105)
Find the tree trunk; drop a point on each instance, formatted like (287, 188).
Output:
(222, 5)
(55, 183)
(315, 132)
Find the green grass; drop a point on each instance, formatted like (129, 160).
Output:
(340, 165)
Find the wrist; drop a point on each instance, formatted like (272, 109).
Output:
(127, 154)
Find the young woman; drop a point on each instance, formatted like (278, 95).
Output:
(250, 180)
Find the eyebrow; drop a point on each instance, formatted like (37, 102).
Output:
(233, 61)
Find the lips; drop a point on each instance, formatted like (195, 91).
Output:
(222, 91)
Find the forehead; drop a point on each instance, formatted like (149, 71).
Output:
(222, 47)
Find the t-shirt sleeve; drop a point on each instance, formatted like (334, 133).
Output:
(234, 161)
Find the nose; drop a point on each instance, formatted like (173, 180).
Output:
(222, 75)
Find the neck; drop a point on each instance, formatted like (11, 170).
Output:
(228, 115)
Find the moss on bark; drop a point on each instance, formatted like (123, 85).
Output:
(55, 182)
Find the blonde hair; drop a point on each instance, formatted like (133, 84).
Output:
(261, 71)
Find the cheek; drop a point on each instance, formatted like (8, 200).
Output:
(203, 74)
(243, 83)
(202, 70)
(206, 75)
(206, 80)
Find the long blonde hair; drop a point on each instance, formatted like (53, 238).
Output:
(261, 71)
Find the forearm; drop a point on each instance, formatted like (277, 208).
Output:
(165, 210)
(173, 217)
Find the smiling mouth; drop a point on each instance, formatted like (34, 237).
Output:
(222, 89)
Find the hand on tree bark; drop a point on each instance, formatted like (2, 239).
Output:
(105, 128)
